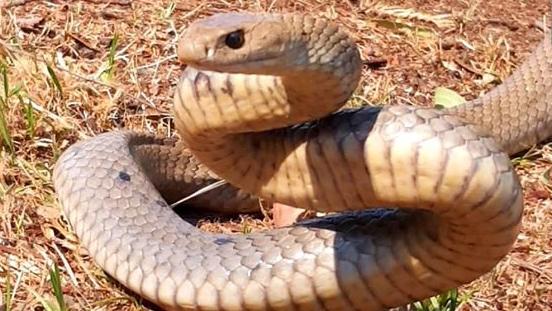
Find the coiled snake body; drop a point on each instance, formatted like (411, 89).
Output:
(257, 105)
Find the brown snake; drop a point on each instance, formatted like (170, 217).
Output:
(257, 105)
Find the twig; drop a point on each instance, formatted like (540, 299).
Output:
(13, 3)
(157, 63)
(200, 191)
(467, 67)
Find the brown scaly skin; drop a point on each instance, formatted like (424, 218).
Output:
(460, 200)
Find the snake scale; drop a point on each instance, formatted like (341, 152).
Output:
(427, 199)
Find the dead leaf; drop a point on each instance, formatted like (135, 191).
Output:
(48, 212)
(404, 28)
(84, 42)
(446, 98)
(30, 23)
(486, 78)
(451, 66)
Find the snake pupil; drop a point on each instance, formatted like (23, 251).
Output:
(235, 39)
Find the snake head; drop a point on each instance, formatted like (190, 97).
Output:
(238, 43)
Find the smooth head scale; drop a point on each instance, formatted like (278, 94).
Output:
(263, 71)
(237, 42)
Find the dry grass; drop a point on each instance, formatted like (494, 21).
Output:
(78, 68)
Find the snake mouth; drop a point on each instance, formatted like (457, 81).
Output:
(265, 65)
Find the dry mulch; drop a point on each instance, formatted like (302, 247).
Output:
(410, 47)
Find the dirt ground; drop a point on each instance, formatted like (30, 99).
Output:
(67, 83)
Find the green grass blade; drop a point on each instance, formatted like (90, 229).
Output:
(55, 280)
(448, 301)
(4, 131)
(109, 72)
(47, 305)
(8, 293)
(55, 79)
(29, 116)
(15, 91)
(6, 83)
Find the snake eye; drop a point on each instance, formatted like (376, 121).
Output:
(235, 39)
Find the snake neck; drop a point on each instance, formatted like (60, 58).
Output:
(212, 105)
(230, 121)
(235, 106)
